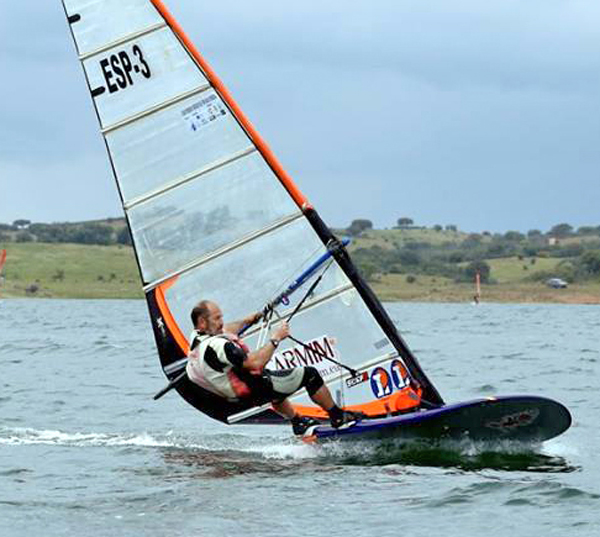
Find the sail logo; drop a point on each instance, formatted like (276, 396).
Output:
(358, 379)
(512, 421)
(313, 353)
(399, 374)
(381, 382)
(384, 381)
(161, 326)
(120, 70)
(204, 112)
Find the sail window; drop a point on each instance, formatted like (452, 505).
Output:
(208, 213)
(175, 143)
(255, 274)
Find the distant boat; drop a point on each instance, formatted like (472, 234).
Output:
(213, 214)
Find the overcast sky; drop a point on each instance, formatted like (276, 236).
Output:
(482, 114)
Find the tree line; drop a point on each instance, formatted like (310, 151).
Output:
(105, 232)
(462, 255)
(559, 231)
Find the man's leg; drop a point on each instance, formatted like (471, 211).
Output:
(290, 380)
(323, 398)
(321, 395)
(284, 408)
(300, 424)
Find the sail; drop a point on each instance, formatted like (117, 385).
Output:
(213, 215)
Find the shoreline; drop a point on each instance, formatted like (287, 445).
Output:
(580, 300)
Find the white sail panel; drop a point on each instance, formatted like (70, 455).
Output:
(127, 17)
(174, 143)
(139, 75)
(245, 279)
(353, 333)
(205, 214)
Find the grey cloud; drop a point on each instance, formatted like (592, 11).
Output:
(442, 111)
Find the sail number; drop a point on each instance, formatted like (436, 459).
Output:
(383, 382)
(121, 68)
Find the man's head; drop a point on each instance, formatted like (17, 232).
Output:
(207, 317)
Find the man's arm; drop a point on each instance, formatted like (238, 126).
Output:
(236, 327)
(258, 359)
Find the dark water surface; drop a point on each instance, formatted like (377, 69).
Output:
(84, 449)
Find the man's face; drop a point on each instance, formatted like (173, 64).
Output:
(213, 324)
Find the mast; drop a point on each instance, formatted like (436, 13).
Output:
(430, 393)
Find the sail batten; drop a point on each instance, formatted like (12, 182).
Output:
(192, 176)
(230, 248)
(123, 41)
(158, 149)
(93, 22)
(141, 75)
(156, 108)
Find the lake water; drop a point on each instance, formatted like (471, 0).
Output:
(83, 448)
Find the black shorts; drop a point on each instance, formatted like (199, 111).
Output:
(275, 386)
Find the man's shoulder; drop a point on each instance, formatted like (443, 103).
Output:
(197, 338)
(217, 340)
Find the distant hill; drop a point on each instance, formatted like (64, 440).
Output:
(103, 232)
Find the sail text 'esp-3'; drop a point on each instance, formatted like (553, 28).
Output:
(120, 70)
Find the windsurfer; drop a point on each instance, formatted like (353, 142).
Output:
(220, 361)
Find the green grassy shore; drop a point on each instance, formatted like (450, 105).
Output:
(46, 270)
(70, 271)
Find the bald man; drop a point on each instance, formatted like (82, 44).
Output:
(221, 362)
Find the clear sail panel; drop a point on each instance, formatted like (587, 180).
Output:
(139, 75)
(350, 335)
(126, 17)
(244, 280)
(174, 143)
(203, 215)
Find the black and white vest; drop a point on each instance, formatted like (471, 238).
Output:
(217, 377)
